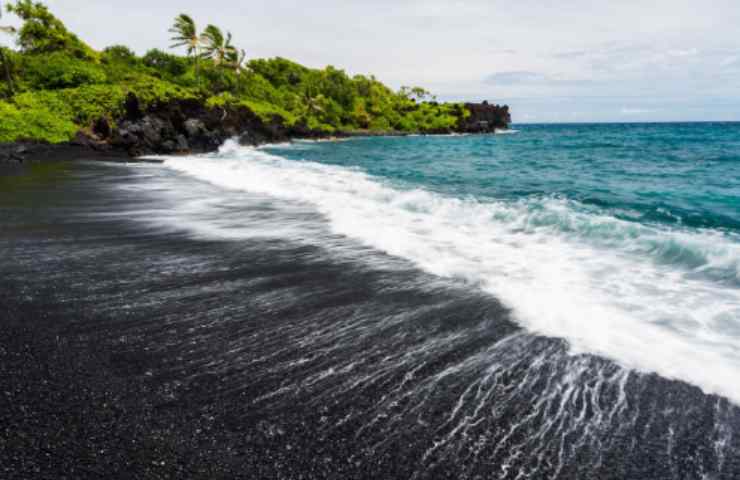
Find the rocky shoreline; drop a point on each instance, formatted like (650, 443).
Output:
(189, 126)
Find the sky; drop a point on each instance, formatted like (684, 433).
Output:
(565, 61)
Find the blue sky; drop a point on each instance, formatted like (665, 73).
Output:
(551, 61)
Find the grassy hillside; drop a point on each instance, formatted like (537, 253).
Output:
(53, 84)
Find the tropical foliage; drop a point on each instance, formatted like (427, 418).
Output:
(55, 84)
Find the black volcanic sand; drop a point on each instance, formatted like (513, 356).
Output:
(143, 336)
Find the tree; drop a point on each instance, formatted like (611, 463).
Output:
(120, 54)
(3, 58)
(42, 32)
(165, 63)
(236, 60)
(186, 35)
(419, 93)
(217, 47)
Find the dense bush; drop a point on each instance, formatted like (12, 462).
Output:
(37, 123)
(9, 67)
(59, 70)
(119, 54)
(170, 65)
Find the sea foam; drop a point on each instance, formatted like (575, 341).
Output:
(653, 298)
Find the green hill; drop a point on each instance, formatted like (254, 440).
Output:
(56, 87)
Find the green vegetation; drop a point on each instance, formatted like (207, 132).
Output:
(54, 84)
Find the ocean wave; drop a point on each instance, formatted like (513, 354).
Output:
(653, 298)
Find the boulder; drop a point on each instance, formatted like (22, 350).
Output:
(102, 128)
(182, 143)
(168, 146)
(132, 107)
(194, 127)
(151, 130)
(485, 118)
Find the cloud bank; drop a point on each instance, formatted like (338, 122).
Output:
(566, 61)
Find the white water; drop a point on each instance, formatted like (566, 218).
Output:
(603, 284)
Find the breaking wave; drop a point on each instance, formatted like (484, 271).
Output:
(654, 298)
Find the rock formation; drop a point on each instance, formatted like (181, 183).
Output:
(485, 118)
(188, 126)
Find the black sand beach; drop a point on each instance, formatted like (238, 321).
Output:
(152, 326)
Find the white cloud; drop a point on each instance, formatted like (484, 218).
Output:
(729, 61)
(635, 111)
(469, 49)
(690, 52)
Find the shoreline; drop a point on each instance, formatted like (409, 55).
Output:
(133, 346)
(187, 126)
(15, 156)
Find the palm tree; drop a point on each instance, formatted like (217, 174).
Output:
(216, 47)
(3, 60)
(186, 35)
(236, 61)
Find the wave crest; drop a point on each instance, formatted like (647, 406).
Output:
(653, 298)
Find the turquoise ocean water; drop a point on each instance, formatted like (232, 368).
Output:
(622, 239)
(676, 174)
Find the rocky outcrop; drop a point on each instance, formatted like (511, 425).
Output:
(14, 152)
(180, 126)
(485, 118)
(185, 126)
(16, 156)
(189, 126)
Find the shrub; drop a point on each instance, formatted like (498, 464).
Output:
(119, 54)
(256, 87)
(9, 60)
(59, 70)
(37, 123)
(151, 91)
(170, 65)
(81, 106)
(279, 71)
(380, 124)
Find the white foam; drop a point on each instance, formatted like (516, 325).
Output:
(603, 284)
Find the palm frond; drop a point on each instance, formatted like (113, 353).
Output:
(213, 38)
(216, 46)
(185, 33)
(184, 25)
(236, 59)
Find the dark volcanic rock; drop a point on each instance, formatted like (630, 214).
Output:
(189, 126)
(485, 118)
(182, 144)
(90, 141)
(184, 126)
(132, 106)
(15, 157)
(102, 128)
(12, 153)
(194, 127)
